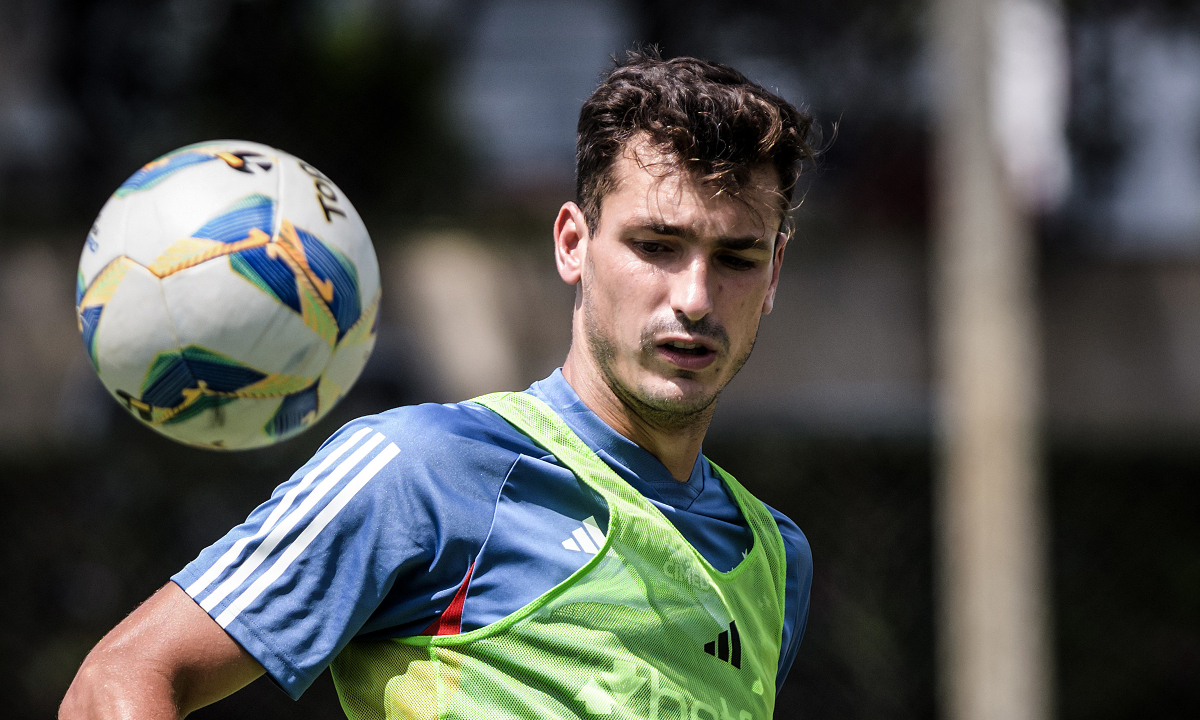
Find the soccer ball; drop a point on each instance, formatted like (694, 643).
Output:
(227, 295)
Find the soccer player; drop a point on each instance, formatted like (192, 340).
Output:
(564, 552)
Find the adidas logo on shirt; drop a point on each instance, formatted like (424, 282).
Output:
(586, 539)
(727, 647)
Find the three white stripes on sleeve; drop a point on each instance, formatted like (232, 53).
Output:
(280, 524)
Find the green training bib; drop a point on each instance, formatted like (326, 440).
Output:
(646, 629)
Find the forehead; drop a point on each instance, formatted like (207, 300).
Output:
(649, 186)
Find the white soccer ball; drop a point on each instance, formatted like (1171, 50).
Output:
(227, 295)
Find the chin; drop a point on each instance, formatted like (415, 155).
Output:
(677, 395)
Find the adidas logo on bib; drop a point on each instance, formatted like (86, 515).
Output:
(727, 647)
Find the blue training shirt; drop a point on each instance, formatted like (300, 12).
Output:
(439, 519)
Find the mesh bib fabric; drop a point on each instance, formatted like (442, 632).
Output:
(646, 629)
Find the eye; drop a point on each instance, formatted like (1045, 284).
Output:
(736, 262)
(646, 247)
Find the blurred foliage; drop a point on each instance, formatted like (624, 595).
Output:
(363, 102)
(1127, 582)
(879, 32)
(359, 96)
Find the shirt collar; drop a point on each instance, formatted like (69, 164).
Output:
(634, 463)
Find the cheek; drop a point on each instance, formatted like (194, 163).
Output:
(745, 298)
(633, 290)
(609, 300)
(744, 311)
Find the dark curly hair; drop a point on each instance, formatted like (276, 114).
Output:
(707, 118)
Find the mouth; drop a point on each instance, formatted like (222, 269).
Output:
(687, 355)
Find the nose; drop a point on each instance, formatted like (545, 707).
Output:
(691, 296)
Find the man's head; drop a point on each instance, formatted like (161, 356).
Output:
(686, 172)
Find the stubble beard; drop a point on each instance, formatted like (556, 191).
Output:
(663, 413)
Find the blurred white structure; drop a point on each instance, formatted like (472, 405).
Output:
(452, 289)
(992, 628)
(1029, 93)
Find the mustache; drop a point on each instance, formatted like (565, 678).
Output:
(705, 327)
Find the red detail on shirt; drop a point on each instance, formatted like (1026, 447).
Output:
(450, 621)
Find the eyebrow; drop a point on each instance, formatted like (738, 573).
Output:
(741, 243)
(729, 243)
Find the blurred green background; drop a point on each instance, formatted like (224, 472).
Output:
(449, 123)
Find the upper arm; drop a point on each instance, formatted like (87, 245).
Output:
(295, 582)
(798, 585)
(166, 659)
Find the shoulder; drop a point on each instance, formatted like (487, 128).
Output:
(413, 427)
(795, 544)
(460, 434)
(421, 461)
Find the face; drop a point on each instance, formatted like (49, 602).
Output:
(673, 285)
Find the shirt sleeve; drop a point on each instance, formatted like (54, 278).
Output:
(797, 589)
(296, 580)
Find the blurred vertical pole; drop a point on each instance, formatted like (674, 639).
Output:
(993, 626)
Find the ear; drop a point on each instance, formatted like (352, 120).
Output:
(776, 263)
(570, 242)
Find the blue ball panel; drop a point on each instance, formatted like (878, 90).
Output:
(90, 317)
(150, 175)
(166, 390)
(275, 274)
(292, 411)
(222, 377)
(346, 306)
(255, 212)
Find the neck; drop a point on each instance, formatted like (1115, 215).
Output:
(676, 447)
